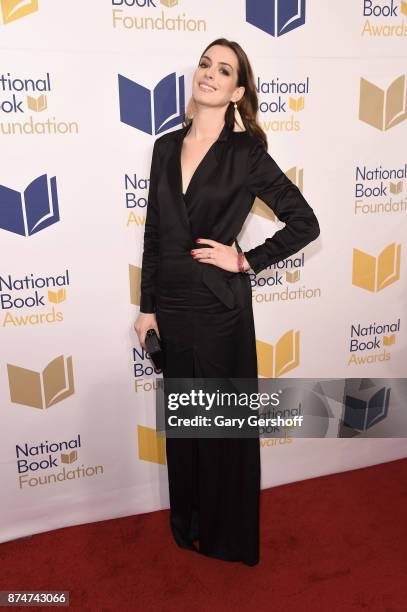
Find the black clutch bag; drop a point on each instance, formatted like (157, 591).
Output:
(154, 349)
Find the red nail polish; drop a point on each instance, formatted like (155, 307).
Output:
(192, 251)
(198, 240)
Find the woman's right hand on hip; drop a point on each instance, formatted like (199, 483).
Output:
(145, 321)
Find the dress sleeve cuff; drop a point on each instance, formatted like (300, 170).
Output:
(147, 304)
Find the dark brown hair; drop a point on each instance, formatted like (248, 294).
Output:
(248, 105)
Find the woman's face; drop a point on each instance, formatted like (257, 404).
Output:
(215, 79)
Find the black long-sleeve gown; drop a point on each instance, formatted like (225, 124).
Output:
(205, 318)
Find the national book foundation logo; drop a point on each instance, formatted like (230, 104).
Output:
(24, 101)
(32, 299)
(153, 15)
(384, 18)
(380, 190)
(282, 282)
(11, 10)
(48, 463)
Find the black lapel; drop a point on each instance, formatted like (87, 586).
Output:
(210, 160)
(174, 176)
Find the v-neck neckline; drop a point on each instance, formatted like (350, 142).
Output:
(221, 134)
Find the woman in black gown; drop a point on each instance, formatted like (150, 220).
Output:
(196, 294)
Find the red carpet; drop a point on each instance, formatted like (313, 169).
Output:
(334, 543)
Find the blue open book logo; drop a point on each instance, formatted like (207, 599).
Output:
(153, 111)
(276, 17)
(363, 413)
(31, 211)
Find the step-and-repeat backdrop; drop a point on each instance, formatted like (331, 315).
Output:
(85, 89)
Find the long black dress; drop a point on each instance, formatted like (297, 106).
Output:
(214, 483)
(205, 318)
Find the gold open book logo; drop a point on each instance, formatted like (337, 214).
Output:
(135, 281)
(376, 273)
(69, 457)
(296, 104)
(151, 445)
(383, 109)
(292, 277)
(37, 104)
(296, 176)
(15, 9)
(41, 389)
(276, 360)
(56, 297)
(396, 187)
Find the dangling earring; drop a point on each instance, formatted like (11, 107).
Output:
(189, 112)
(238, 119)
